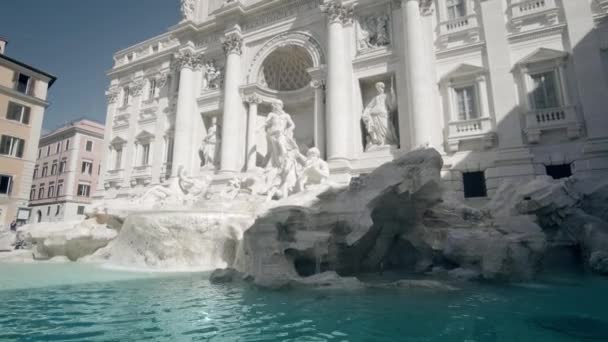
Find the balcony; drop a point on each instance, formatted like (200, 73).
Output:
(543, 120)
(141, 175)
(534, 13)
(459, 31)
(121, 120)
(114, 178)
(603, 5)
(466, 130)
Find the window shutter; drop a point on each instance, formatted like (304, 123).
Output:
(31, 87)
(26, 115)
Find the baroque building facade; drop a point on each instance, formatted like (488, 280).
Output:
(504, 89)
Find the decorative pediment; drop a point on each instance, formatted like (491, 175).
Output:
(144, 136)
(118, 141)
(463, 71)
(543, 55)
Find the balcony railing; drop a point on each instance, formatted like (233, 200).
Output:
(528, 9)
(115, 175)
(458, 25)
(603, 5)
(552, 118)
(480, 128)
(142, 171)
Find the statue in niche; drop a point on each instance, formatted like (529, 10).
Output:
(284, 158)
(377, 119)
(213, 76)
(316, 170)
(187, 9)
(209, 147)
(374, 32)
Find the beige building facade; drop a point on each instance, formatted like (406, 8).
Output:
(23, 100)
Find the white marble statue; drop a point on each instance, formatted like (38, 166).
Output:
(284, 160)
(213, 76)
(377, 119)
(187, 9)
(279, 132)
(316, 170)
(209, 148)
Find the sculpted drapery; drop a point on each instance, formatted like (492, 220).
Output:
(377, 120)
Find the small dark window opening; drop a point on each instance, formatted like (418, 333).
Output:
(80, 210)
(559, 171)
(474, 184)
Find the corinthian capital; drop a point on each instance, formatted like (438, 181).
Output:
(337, 12)
(233, 43)
(188, 59)
(253, 99)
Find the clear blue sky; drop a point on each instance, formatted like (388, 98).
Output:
(75, 41)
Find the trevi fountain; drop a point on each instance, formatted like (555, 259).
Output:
(299, 245)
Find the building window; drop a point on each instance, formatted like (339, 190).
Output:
(169, 150)
(84, 190)
(559, 171)
(89, 146)
(87, 167)
(39, 153)
(33, 193)
(41, 192)
(12, 146)
(59, 189)
(544, 92)
(62, 166)
(80, 210)
(474, 184)
(48, 150)
(145, 154)
(36, 172)
(455, 8)
(48, 210)
(57, 210)
(67, 144)
(58, 147)
(6, 184)
(118, 159)
(54, 168)
(23, 83)
(152, 93)
(125, 96)
(466, 101)
(51, 193)
(45, 170)
(17, 112)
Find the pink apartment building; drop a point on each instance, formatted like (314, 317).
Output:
(66, 171)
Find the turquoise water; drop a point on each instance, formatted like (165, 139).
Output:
(46, 302)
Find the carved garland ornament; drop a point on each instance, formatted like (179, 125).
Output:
(338, 13)
(137, 87)
(233, 43)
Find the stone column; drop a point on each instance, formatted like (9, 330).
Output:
(339, 89)
(230, 151)
(420, 84)
(253, 101)
(319, 135)
(107, 162)
(187, 61)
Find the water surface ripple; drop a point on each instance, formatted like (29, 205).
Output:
(187, 308)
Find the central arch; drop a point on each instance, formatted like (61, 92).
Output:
(303, 44)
